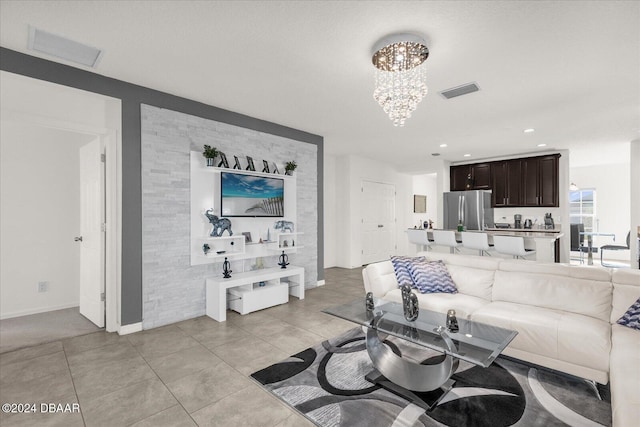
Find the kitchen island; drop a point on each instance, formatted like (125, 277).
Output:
(546, 243)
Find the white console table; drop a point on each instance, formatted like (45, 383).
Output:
(246, 295)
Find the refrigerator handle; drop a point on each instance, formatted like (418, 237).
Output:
(459, 208)
(464, 201)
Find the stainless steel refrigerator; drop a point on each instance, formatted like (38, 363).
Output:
(472, 208)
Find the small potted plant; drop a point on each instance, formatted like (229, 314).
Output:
(210, 153)
(289, 167)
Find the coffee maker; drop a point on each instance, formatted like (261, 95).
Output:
(517, 221)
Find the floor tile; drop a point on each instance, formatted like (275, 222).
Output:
(292, 340)
(295, 420)
(184, 362)
(222, 334)
(86, 361)
(208, 386)
(107, 378)
(33, 368)
(172, 417)
(47, 388)
(30, 353)
(249, 355)
(90, 341)
(128, 405)
(248, 407)
(162, 343)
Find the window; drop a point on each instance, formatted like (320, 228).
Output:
(582, 208)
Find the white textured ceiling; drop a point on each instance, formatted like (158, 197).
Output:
(569, 69)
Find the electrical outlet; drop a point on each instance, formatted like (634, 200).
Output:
(43, 286)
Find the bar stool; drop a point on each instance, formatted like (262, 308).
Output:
(446, 238)
(419, 238)
(478, 241)
(511, 245)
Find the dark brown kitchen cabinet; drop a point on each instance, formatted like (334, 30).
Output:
(540, 181)
(506, 182)
(470, 177)
(530, 181)
(458, 177)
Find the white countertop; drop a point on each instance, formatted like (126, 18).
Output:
(530, 234)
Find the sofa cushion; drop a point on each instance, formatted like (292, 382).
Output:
(464, 305)
(473, 275)
(631, 319)
(626, 290)
(559, 291)
(379, 278)
(401, 266)
(432, 277)
(575, 338)
(625, 376)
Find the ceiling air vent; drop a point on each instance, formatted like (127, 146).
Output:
(460, 90)
(63, 48)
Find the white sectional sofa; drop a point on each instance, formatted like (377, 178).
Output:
(565, 316)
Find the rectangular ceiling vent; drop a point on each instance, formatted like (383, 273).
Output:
(460, 90)
(63, 48)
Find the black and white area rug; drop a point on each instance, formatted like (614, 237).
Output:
(327, 384)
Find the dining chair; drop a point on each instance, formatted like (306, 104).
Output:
(615, 248)
(478, 241)
(511, 245)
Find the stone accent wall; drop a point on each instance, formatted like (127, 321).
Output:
(172, 289)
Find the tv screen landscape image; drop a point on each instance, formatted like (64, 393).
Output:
(250, 195)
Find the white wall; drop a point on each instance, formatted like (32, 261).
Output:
(634, 183)
(350, 172)
(330, 212)
(426, 185)
(40, 216)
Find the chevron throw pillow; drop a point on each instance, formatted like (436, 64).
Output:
(401, 268)
(631, 318)
(432, 277)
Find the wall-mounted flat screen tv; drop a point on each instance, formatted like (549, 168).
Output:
(250, 195)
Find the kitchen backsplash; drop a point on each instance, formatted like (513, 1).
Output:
(536, 215)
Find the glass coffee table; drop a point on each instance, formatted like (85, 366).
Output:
(424, 385)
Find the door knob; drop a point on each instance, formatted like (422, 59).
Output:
(77, 239)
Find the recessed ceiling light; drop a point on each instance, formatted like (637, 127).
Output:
(542, 145)
(529, 130)
(467, 155)
(443, 145)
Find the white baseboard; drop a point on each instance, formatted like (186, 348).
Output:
(320, 283)
(38, 310)
(130, 329)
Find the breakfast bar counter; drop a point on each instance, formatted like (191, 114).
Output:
(544, 242)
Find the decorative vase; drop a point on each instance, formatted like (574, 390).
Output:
(210, 161)
(288, 172)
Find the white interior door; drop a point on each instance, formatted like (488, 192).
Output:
(378, 221)
(92, 252)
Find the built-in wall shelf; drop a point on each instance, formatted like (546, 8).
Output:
(206, 196)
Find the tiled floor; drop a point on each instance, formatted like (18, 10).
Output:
(190, 373)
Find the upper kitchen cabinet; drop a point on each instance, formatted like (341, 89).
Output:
(530, 181)
(506, 181)
(540, 181)
(470, 177)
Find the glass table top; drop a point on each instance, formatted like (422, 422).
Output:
(475, 342)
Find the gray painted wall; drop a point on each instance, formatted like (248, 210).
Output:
(132, 96)
(172, 289)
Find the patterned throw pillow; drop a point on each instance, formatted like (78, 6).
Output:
(631, 318)
(432, 277)
(401, 268)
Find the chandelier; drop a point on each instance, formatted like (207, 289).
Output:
(400, 75)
